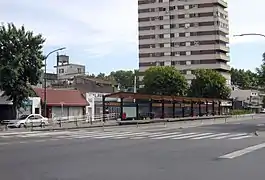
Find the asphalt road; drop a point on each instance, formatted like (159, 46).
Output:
(49, 157)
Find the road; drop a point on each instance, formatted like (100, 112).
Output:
(215, 151)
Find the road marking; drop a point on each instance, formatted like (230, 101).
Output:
(162, 134)
(176, 135)
(241, 137)
(210, 136)
(190, 136)
(114, 135)
(3, 144)
(133, 134)
(16, 133)
(171, 136)
(41, 140)
(42, 134)
(231, 135)
(242, 151)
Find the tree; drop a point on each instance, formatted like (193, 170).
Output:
(261, 72)
(164, 80)
(21, 60)
(101, 76)
(209, 84)
(125, 79)
(244, 79)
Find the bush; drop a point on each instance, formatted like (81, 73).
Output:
(240, 112)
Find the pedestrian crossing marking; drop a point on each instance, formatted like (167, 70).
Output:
(173, 136)
(241, 137)
(229, 136)
(133, 135)
(161, 134)
(210, 136)
(190, 136)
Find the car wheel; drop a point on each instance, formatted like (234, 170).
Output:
(22, 125)
(42, 124)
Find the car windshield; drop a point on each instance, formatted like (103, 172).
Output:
(23, 117)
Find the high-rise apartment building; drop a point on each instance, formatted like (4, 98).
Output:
(187, 34)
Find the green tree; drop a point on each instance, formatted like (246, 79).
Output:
(261, 72)
(244, 79)
(125, 79)
(101, 76)
(209, 84)
(21, 60)
(164, 81)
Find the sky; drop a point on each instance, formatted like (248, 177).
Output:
(103, 34)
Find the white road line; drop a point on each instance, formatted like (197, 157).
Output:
(210, 136)
(138, 137)
(41, 140)
(1, 144)
(162, 134)
(231, 135)
(42, 134)
(113, 135)
(190, 136)
(243, 151)
(241, 137)
(89, 135)
(172, 136)
(178, 135)
(134, 135)
(16, 133)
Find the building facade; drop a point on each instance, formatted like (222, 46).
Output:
(186, 34)
(66, 70)
(62, 102)
(246, 99)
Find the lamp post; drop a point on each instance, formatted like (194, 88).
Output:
(45, 78)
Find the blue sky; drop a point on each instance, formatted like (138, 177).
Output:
(103, 34)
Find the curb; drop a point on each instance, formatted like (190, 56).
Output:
(136, 122)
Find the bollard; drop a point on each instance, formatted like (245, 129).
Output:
(60, 123)
(225, 120)
(137, 125)
(76, 122)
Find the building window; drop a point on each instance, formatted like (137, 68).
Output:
(79, 70)
(61, 71)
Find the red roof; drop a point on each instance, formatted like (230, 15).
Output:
(57, 97)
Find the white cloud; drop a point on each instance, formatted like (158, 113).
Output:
(105, 26)
(101, 27)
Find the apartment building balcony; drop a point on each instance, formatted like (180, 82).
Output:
(185, 58)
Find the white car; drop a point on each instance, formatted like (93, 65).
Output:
(28, 121)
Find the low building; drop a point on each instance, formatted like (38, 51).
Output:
(6, 108)
(246, 99)
(30, 106)
(62, 102)
(66, 70)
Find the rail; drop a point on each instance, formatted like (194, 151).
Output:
(112, 119)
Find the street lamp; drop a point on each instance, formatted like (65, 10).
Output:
(45, 78)
(250, 34)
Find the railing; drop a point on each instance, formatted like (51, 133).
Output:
(113, 119)
(69, 121)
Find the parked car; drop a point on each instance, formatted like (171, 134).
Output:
(28, 120)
